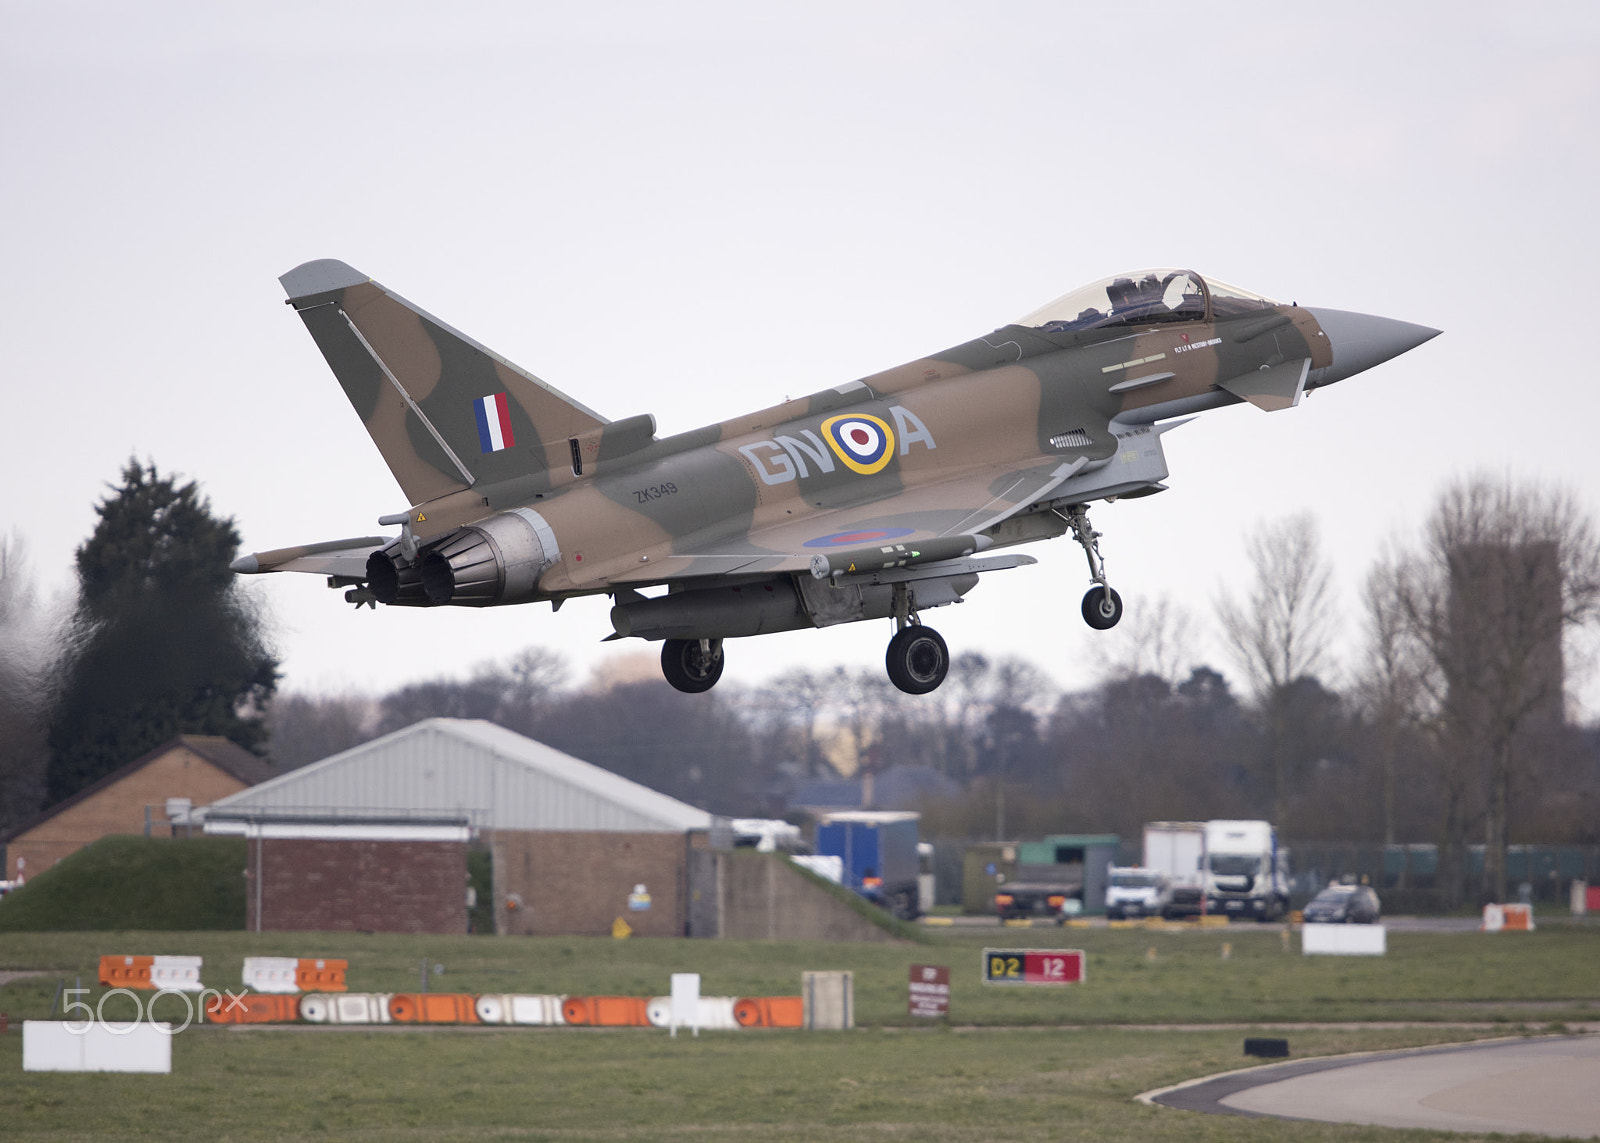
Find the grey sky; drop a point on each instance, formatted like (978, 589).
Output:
(696, 210)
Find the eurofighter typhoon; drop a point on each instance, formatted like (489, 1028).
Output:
(883, 498)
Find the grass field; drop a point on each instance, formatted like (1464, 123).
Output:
(1014, 1063)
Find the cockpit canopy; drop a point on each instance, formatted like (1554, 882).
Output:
(1141, 298)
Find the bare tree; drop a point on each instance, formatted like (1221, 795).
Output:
(1155, 637)
(1505, 570)
(1391, 686)
(25, 661)
(305, 728)
(1282, 632)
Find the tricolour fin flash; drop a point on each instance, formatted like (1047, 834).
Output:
(445, 412)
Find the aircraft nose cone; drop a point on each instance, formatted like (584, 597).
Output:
(1361, 341)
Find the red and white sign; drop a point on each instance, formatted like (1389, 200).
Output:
(929, 990)
(1033, 966)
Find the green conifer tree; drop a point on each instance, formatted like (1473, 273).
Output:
(162, 642)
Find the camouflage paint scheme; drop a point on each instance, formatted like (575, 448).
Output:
(866, 500)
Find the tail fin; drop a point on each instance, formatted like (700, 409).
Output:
(445, 412)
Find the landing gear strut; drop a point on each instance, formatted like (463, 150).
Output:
(1102, 606)
(917, 659)
(692, 665)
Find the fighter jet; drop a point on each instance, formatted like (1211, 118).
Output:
(882, 498)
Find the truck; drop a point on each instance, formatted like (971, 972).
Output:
(1039, 890)
(1246, 873)
(878, 853)
(1061, 876)
(1178, 849)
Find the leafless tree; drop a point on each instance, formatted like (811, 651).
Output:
(1391, 685)
(1282, 632)
(797, 700)
(304, 728)
(25, 662)
(1505, 570)
(1155, 637)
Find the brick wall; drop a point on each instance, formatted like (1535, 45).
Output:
(360, 886)
(579, 882)
(119, 808)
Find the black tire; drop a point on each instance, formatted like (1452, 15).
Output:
(917, 660)
(1102, 607)
(690, 669)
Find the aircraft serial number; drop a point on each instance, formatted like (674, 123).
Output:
(654, 492)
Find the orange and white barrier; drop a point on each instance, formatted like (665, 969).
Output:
(770, 1012)
(173, 973)
(506, 1008)
(284, 974)
(716, 1013)
(176, 973)
(321, 975)
(606, 1011)
(1507, 918)
(252, 1008)
(432, 1008)
(275, 974)
(126, 971)
(345, 1008)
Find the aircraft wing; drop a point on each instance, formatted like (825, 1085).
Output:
(961, 506)
(333, 557)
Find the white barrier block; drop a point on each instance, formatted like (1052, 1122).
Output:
(658, 1010)
(539, 1009)
(65, 1046)
(362, 1007)
(176, 973)
(271, 973)
(1343, 940)
(717, 1012)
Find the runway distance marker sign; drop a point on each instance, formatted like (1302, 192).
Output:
(1033, 966)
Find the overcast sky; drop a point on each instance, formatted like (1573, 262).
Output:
(696, 210)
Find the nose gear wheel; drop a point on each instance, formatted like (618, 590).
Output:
(1102, 606)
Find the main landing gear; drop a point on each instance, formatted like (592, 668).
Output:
(1102, 606)
(917, 659)
(692, 665)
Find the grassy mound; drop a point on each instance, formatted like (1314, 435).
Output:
(135, 883)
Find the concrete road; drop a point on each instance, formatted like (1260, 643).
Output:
(1547, 1085)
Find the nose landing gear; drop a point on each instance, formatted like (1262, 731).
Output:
(1102, 606)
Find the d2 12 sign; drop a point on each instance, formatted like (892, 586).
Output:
(1033, 966)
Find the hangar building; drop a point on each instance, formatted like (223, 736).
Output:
(375, 838)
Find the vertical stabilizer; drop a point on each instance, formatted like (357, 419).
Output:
(445, 412)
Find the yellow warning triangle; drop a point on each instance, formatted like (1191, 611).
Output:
(621, 929)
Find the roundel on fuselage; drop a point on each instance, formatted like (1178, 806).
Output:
(863, 442)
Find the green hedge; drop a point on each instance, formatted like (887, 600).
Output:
(162, 884)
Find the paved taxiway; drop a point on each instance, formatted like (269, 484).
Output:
(1547, 1085)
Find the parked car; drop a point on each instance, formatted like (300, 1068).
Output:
(1344, 904)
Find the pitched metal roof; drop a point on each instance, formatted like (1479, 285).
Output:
(496, 778)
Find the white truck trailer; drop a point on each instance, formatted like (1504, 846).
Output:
(1178, 849)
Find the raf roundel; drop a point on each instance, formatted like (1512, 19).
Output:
(863, 442)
